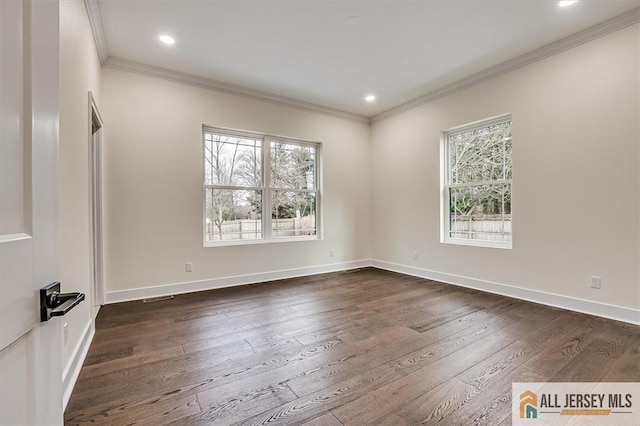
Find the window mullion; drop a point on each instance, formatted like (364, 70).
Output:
(266, 193)
(294, 190)
(446, 213)
(502, 211)
(480, 183)
(232, 187)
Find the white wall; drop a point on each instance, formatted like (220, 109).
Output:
(153, 194)
(79, 74)
(576, 182)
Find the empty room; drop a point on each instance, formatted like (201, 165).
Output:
(320, 212)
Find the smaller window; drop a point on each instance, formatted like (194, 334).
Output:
(477, 174)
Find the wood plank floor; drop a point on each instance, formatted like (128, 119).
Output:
(358, 347)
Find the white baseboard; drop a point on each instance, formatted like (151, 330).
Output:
(191, 286)
(618, 313)
(73, 367)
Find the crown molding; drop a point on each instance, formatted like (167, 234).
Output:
(95, 19)
(218, 86)
(621, 21)
(626, 19)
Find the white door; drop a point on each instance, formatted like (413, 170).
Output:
(30, 351)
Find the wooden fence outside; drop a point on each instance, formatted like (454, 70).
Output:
(250, 229)
(485, 227)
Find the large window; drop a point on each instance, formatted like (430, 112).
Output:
(477, 174)
(259, 188)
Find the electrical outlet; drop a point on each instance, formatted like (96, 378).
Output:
(414, 255)
(331, 253)
(188, 267)
(65, 327)
(596, 282)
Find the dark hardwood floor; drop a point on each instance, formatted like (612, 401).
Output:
(359, 347)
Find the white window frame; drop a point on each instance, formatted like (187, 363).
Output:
(445, 186)
(266, 189)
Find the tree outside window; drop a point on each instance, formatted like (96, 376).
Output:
(246, 175)
(478, 171)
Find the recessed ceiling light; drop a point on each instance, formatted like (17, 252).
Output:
(369, 98)
(167, 39)
(353, 20)
(565, 3)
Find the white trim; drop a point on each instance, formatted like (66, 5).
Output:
(237, 280)
(504, 245)
(480, 124)
(95, 19)
(257, 241)
(96, 228)
(9, 238)
(618, 313)
(73, 367)
(614, 24)
(219, 86)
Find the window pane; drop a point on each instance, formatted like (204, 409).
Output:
(293, 213)
(480, 155)
(233, 215)
(480, 212)
(232, 160)
(293, 166)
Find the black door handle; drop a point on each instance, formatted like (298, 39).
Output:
(55, 304)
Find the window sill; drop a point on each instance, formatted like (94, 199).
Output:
(258, 242)
(479, 243)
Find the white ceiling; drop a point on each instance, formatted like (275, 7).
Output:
(310, 51)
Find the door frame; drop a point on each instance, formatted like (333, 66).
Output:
(95, 129)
